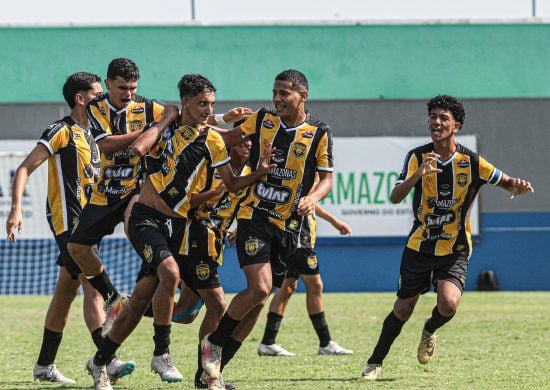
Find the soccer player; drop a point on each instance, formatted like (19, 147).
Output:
(117, 119)
(271, 216)
(446, 178)
(303, 264)
(158, 220)
(73, 166)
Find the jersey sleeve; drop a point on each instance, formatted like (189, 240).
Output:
(99, 124)
(249, 125)
(55, 137)
(323, 154)
(409, 167)
(488, 173)
(217, 149)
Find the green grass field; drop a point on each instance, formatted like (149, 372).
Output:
(496, 341)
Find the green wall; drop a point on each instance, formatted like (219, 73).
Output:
(341, 61)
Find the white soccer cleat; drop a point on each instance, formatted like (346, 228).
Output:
(99, 374)
(372, 372)
(50, 373)
(426, 347)
(118, 368)
(211, 357)
(113, 310)
(273, 350)
(333, 348)
(164, 366)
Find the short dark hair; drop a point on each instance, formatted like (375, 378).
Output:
(191, 85)
(80, 81)
(448, 103)
(295, 77)
(123, 67)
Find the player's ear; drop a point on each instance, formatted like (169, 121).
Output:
(304, 95)
(79, 99)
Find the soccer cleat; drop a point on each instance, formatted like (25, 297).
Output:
(113, 310)
(50, 373)
(273, 350)
(372, 372)
(333, 348)
(426, 347)
(211, 357)
(164, 366)
(202, 383)
(99, 374)
(117, 369)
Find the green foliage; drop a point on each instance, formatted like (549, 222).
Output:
(496, 341)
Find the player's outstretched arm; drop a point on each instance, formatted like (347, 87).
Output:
(429, 166)
(515, 185)
(146, 140)
(234, 115)
(339, 225)
(33, 160)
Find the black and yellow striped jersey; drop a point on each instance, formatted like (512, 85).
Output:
(308, 233)
(442, 201)
(178, 160)
(73, 168)
(122, 171)
(300, 152)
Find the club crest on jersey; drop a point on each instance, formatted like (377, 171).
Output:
(136, 125)
(137, 110)
(293, 224)
(463, 163)
(202, 271)
(148, 253)
(299, 149)
(462, 179)
(173, 192)
(312, 262)
(461, 247)
(252, 246)
(268, 124)
(187, 132)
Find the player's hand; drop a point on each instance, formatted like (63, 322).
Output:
(221, 189)
(236, 114)
(429, 165)
(521, 187)
(231, 236)
(265, 161)
(342, 227)
(306, 205)
(14, 223)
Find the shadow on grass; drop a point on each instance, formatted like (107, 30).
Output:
(348, 380)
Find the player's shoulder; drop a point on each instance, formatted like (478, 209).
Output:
(313, 121)
(426, 148)
(465, 151)
(60, 125)
(98, 100)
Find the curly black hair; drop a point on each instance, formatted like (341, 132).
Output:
(295, 77)
(448, 103)
(123, 67)
(80, 81)
(191, 85)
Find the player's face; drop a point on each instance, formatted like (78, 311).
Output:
(83, 97)
(242, 150)
(442, 125)
(198, 108)
(288, 102)
(121, 92)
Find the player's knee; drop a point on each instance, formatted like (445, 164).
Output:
(168, 273)
(448, 306)
(259, 291)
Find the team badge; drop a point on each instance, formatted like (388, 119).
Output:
(293, 224)
(268, 124)
(138, 110)
(460, 247)
(173, 192)
(136, 125)
(252, 246)
(463, 163)
(202, 271)
(148, 253)
(187, 133)
(462, 179)
(299, 149)
(312, 261)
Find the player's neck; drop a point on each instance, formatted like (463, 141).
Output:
(80, 117)
(237, 164)
(445, 148)
(295, 119)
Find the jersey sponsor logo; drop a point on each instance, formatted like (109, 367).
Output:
(112, 190)
(268, 124)
(253, 245)
(280, 156)
(442, 204)
(434, 220)
(299, 149)
(118, 172)
(307, 134)
(462, 179)
(124, 153)
(282, 173)
(463, 163)
(217, 175)
(148, 253)
(272, 193)
(137, 110)
(202, 271)
(312, 262)
(136, 125)
(445, 190)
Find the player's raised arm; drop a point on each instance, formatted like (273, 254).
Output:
(149, 137)
(428, 166)
(515, 186)
(234, 115)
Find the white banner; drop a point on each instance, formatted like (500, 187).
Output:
(365, 171)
